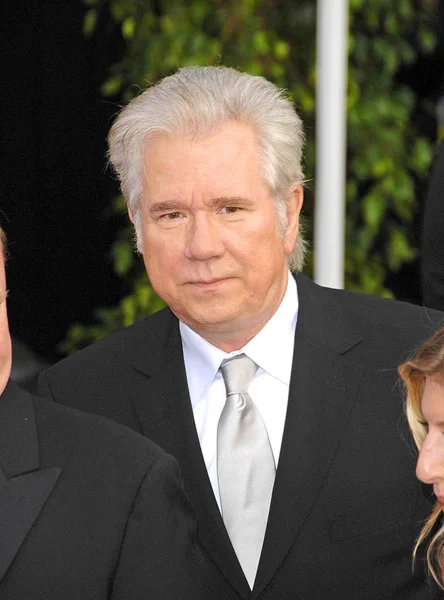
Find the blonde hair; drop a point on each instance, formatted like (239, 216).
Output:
(197, 100)
(428, 363)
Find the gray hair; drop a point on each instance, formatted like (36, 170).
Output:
(194, 102)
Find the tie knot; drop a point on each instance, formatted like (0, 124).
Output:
(238, 373)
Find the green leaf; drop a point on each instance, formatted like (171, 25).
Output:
(281, 49)
(112, 86)
(427, 39)
(123, 256)
(373, 211)
(399, 249)
(89, 22)
(128, 27)
(260, 42)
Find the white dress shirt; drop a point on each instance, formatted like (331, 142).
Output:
(272, 350)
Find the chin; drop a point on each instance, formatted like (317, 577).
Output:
(211, 320)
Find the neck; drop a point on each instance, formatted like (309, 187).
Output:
(230, 343)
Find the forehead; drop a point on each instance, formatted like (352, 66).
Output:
(432, 404)
(229, 154)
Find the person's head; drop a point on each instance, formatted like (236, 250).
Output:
(5, 339)
(202, 143)
(423, 376)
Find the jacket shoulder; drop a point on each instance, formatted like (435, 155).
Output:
(384, 315)
(115, 348)
(95, 379)
(370, 311)
(385, 328)
(68, 431)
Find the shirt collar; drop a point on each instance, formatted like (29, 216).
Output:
(271, 348)
(202, 362)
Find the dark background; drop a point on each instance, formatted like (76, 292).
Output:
(54, 183)
(54, 188)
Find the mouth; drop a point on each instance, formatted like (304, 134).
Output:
(208, 283)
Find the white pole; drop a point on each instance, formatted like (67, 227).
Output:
(329, 223)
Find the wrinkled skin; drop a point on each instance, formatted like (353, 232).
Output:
(210, 238)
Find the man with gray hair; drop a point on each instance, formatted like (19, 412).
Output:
(277, 397)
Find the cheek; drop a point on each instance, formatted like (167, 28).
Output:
(257, 237)
(267, 252)
(259, 256)
(162, 260)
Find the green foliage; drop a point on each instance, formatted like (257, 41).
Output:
(386, 153)
(277, 40)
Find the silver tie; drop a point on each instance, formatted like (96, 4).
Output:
(245, 465)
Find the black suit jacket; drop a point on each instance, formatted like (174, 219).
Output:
(346, 507)
(88, 509)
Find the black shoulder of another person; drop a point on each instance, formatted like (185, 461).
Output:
(388, 318)
(97, 379)
(95, 441)
(143, 333)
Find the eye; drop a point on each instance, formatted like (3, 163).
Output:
(230, 209)
(171, 216)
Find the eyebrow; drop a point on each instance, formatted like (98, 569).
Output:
(166, 205)
(215, 202)
(231, 201)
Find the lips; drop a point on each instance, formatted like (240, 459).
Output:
(208, 282)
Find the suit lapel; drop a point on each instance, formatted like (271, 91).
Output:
(160, 397)
(323, 389)
(24, 488)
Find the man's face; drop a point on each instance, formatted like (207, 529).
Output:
(5, 339)
(211, 244)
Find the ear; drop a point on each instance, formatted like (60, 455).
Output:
(130, 214)
(293, 213)
(135, 218)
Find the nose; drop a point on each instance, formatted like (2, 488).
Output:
(204, 239)
(430, 465)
